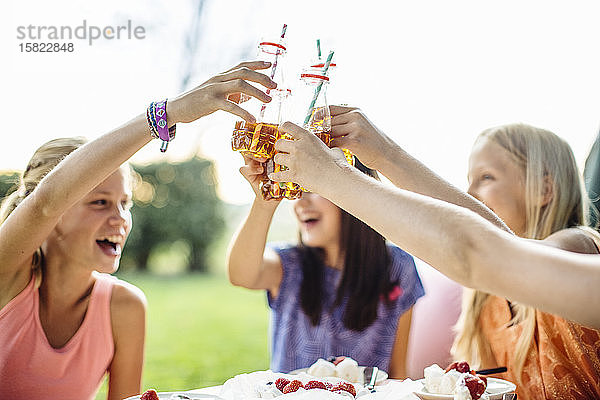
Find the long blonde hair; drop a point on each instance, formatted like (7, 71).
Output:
(41, 163)
(548, 163)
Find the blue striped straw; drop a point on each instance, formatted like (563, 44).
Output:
(318, 89)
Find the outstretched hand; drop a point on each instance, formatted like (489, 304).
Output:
(219, 93)
(352, 130)
(308, 160)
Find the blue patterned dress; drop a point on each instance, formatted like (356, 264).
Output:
(296, 343)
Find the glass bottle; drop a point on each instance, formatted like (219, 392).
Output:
(259, 138)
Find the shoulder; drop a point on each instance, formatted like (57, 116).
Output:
(283, 254)
(282, 247)
(577, 240)
(398, 254)
(401, 261)
(127, 303)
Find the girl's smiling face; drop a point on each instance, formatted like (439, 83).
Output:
(496, 180)
(93, 232)
(319, 221)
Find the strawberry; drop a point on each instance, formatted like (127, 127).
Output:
(280, 383)
(475, 385)
(344, 386)
(483, 378)
(461, 366)
(315, 385)
(451, 366)
(149, 395)
(338, 360)
(292, 386)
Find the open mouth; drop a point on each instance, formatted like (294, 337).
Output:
(310, 221)
(108, 247)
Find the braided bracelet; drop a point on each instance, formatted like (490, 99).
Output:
(156, 115)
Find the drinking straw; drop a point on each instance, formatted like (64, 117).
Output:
(273, 68)
(318, 89)
(319, 49)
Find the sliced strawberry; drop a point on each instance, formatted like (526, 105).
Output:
(315, 385)
(344, 386)
(475, 385)
(292, 386)
(338, 360)
(483, 378)
(463, 367)
(460, 366)
(149, 394)
(280, 383)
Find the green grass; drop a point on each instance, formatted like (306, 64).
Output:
(201, 331)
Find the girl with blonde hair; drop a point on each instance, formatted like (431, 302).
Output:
(537, 193)
(64, 321)
(528, 176)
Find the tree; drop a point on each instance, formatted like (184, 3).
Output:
(592, 180)
(175, 202)
(9, 182)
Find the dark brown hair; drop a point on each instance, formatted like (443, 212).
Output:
(365, 276)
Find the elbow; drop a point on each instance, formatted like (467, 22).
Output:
(234, 278)
(235, 281)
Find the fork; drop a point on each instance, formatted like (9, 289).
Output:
(371, 385)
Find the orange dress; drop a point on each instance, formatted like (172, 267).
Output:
(563, 362)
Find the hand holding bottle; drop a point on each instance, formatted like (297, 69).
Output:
(309, 161)
(351, 129)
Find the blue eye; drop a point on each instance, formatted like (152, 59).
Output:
(100, 202)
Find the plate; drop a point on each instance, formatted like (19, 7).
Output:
(381, 375)
(496, 388)
(167, 396)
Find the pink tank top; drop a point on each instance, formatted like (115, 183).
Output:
(30, 368)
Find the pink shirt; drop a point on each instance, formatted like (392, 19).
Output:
(30, 368)
(433, 317)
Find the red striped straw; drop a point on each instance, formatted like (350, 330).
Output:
(273, 68)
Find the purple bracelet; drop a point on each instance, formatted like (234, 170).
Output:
(157, 121)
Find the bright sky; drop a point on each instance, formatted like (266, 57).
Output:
(431, 74)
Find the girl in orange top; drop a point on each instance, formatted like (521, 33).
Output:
(63, 325)
(526, 176)
(529, 178)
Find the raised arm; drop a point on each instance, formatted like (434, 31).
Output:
(352, 129)
(30, 223)
(456, 241)
(249, 264)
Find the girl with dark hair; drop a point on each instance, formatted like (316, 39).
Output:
(340, 291)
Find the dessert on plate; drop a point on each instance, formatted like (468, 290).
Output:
(341, 367)
(457, 380)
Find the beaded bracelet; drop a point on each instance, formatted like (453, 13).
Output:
(156, 115)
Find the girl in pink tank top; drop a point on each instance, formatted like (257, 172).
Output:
(65, 323)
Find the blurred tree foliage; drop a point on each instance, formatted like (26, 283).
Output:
(172, 202)
(9, 181)
(175, 202)
(591, 174)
